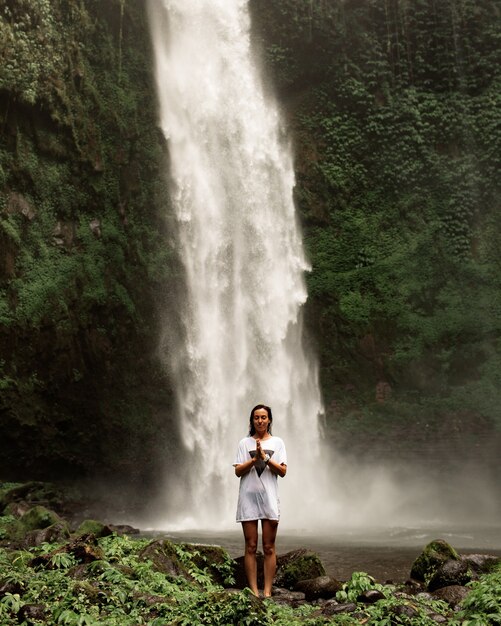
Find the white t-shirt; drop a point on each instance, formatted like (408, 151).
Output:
(258, 493)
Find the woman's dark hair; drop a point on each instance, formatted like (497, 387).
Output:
(252, 430)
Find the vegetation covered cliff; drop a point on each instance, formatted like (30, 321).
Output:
(83, 258)
(394, 108)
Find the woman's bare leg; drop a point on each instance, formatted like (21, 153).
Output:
(250, 535)
(270, 528)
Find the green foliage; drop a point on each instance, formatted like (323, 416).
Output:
(482, 606)
(205, 565)
(397, 189)
(388, 612)
(358, 583)
(82, 255)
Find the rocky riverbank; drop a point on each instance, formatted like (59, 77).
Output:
(58, 568)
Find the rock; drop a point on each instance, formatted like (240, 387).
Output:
(335, 609)
(63, 234)
(89, 589)
(10, 587)
(404, 610)
(255, 612)
(38, 517)
(55, 533)
(452, 572)
(320, 587)
(287, 597)
(453, 595)
(17, 203)
(124, 529)
(436, 617)
(93, 527)
(30, 613)
(33, 493)
(17, 509)
(369, 596)
(241, 578)
(297, 565)
(480, 563)
(433, 555)
(79, 572)
(85, 549)
(291, 568)
(150, 600)
(215, 560)
(95, 227)
(413, 586)
(164, 558)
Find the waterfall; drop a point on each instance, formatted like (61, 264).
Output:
(232, 178)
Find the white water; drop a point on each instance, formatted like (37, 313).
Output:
(232, 174)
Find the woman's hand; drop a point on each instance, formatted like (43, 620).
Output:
(259, 451)
(246, 467)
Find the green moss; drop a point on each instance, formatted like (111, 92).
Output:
(38, 517)
(433, 555)
(93, 527)
(301, 567)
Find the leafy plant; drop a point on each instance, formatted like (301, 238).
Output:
(358, 583)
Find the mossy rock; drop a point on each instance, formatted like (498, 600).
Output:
(38, 517)
(56, 533)
(433, 556)
(22, 530)
(6, 488)
(33, 493)
(93, 527)
(163, 557)
(214, 559)
(233, 607)
(298, 565)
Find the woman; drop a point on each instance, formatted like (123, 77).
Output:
(261, 457)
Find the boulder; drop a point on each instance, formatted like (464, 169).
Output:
(453, 595)
(404, 611)
(297, 565)
(10, 587)
(287, 597)
(124, 529)
(39, 517)
(17, 203)
(292, 567)
(93, 527)
(163, 556)
(32, 614)
(215, 560)
(320, 587)
(480, 563)
(33, 493)
(452, 572)
(56, 533)
(17, 509)
(85, 549)
(331, 608)
(369, 596)
(239, 572)
(433, 555)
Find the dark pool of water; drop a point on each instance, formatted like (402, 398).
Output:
(386, 554)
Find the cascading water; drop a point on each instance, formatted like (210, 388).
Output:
(232, 178)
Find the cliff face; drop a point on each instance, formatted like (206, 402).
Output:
(83, 262)
(393, 107)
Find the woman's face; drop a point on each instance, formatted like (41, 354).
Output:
(261, 422)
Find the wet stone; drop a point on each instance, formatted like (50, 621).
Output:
(335, 609)
(370, 596)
